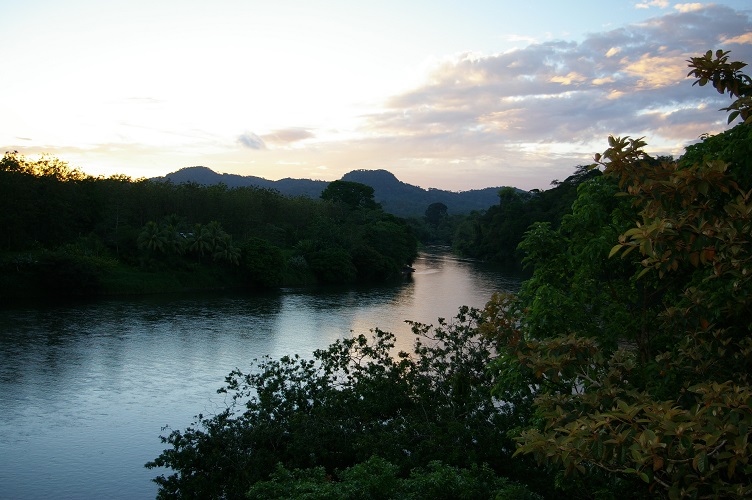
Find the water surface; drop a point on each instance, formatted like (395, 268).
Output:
(85, 388)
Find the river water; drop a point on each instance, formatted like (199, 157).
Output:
(86, 387)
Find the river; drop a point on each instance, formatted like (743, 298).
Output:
(86, 387)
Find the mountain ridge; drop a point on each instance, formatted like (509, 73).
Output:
(395, 196)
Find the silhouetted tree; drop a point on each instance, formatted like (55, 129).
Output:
(435, 213)
(352, 194)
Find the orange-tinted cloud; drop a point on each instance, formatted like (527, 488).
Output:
(656, 71)
(662, 4)
(744, 39)
(689, 7)
(284, 137)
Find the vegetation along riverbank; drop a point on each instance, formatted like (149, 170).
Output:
(69, 234)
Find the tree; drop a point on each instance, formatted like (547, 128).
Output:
(153, 238)
(379, 478)
(13, 161)
(351, 194)
(174, 229)
(436, 213)
(726, 77)
(332, 265)
(46, 205)
(262, 263)
(224, 250)
(496, 234)
(667, 404)
(199, 240)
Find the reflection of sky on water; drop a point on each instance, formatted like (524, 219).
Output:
(440, 284)
(86, 387)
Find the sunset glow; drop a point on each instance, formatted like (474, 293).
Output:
(445, 95)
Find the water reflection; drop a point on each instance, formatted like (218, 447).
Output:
(86, 387)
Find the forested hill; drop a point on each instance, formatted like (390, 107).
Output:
(207, 177)
(402, 199)
(395, 196)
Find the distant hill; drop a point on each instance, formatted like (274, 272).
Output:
(404, 199)
(207, 177)
(397, 197)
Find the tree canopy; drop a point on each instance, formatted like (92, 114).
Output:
(495, 234)
(352, 194)
(635, 344)
(132, 236)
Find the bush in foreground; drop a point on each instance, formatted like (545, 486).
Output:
(426, 414)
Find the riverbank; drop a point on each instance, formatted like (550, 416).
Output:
(48, 275)
(45, 275)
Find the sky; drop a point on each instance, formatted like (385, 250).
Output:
(444, 94)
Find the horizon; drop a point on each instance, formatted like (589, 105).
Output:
(425, 188)
(440, 95)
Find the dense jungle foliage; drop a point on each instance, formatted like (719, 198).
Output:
(64, 232)
(621, 370)
(68, 233)
(494, 235)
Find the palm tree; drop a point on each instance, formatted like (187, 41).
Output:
(198, 240)
(175, 239)
(215, 235)
(225, 250)
(152, 238)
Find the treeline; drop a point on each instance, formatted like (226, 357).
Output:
(65, 231)
(622, 369)
(494, 235)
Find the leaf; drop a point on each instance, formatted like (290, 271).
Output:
(700, 462)
(694, 258)
(647, 247)
(615, 249)
(731, 467)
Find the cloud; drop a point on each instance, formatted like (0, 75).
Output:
(688, 7)
(613, 51)
(251, 141)
(662, 4)
(570, 78)
(561, 98)
(603, 81)
(655, 71)
(284, 137)
(744, 39)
